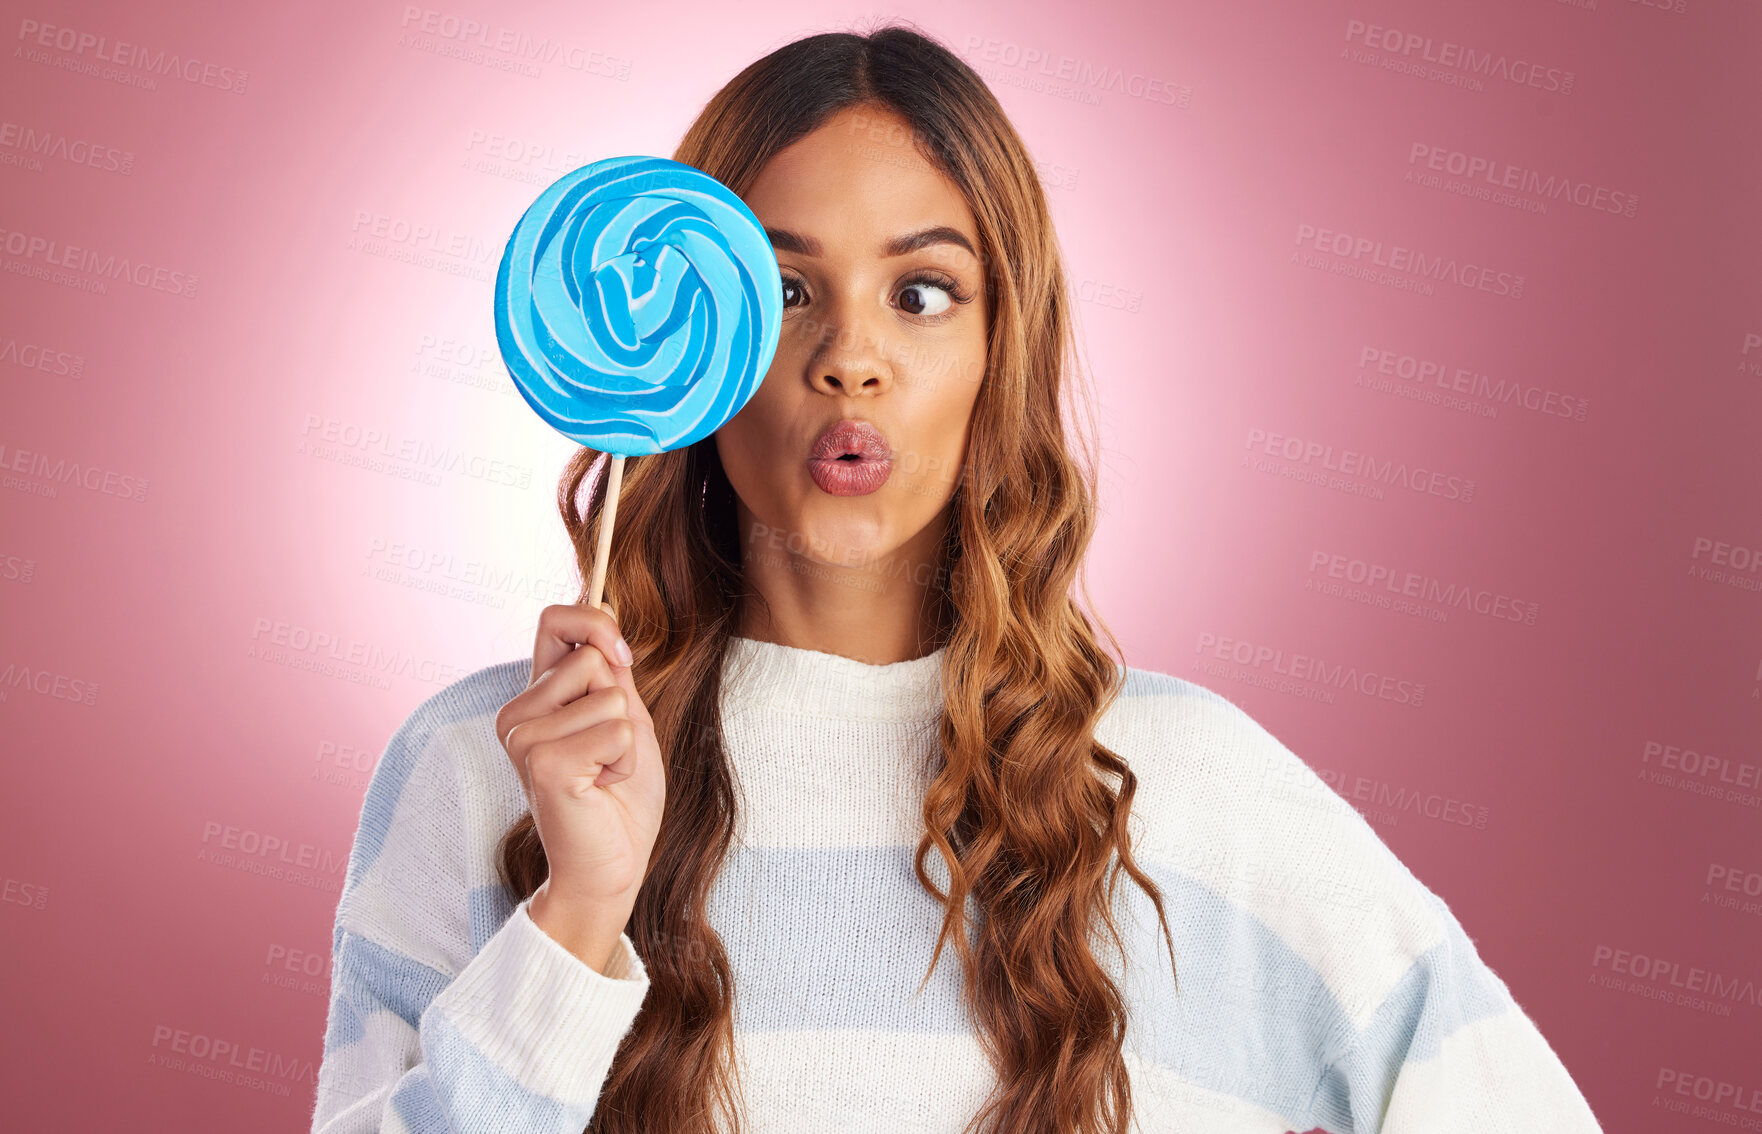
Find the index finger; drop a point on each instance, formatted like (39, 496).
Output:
(563, 626)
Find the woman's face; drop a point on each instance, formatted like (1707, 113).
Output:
(884, 328)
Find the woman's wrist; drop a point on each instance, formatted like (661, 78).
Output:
(591, 935)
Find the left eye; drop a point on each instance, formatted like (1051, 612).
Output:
(922, 297)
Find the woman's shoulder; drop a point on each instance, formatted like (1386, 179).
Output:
(439, 797)
(444, 740)
(1194, 749)
(1226, 806)
(1309, 947)
(474, 698)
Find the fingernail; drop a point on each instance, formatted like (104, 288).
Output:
(621, 648)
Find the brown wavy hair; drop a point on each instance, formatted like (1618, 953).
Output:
(1026, 809)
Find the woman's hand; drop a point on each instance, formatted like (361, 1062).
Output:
(584, 747)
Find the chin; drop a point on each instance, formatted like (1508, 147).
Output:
(844, 531)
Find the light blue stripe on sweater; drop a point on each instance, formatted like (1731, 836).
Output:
(1239, 981)
(481, 692)
(372, 977)
(1445, 990)
(478, 1094)
(488, 908)
(415, 1102)
(1251, 1018)
(368, 978)
(831, 911)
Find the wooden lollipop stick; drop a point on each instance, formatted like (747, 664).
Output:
(608, 513)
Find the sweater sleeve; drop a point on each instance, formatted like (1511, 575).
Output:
(422, 1035)
(1450, 1051)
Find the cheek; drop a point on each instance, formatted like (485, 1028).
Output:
(753, 449)
(757, 422)
(738, 446)
(957, 394)
(933, 470)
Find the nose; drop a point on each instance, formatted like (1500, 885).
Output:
(850, 359)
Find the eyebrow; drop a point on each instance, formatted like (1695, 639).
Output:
(784, 240)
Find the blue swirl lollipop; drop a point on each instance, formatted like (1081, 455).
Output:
(638, 306)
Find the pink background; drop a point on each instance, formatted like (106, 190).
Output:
(158, 610)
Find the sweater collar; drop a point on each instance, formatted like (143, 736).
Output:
(812, 683)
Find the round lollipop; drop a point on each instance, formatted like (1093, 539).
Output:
(638, 306)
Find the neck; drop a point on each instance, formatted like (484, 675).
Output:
(879, 612)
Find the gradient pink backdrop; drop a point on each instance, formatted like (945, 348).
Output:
(227, 510)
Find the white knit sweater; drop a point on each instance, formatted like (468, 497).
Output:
(1321, 984)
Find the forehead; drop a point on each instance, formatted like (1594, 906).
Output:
(855, 181)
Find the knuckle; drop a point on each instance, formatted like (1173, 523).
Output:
(544, 762)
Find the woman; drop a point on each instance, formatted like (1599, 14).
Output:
(693, 866)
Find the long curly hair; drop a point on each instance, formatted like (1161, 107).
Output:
(1028, 811)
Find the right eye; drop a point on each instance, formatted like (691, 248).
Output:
(792, 286)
